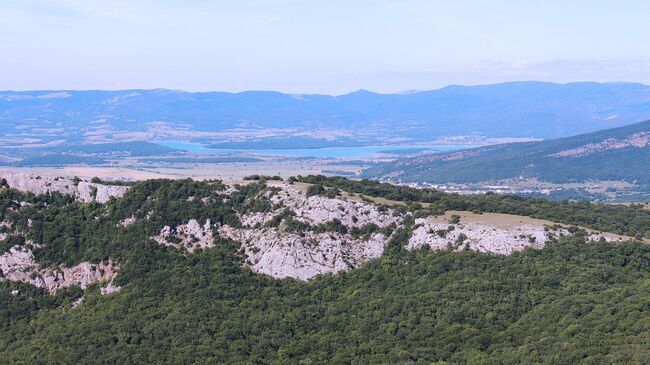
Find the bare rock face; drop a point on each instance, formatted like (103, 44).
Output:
(127, 221)
(303, 256)
(110, 289)
(254, 219)
(317, 209)
(3, 227)
(606, 237)
(500, 234)
(272, 247)
(102, 193)
(477, 237)
(190, 236)
(83, 191)
(18, 264)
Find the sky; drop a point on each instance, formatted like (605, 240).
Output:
(329, 47)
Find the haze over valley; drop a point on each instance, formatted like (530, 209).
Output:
(216, 134)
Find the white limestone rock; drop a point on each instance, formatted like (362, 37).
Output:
(303, 256)
(18, 265)
(483, 238)
(254, 219)
(77, 302)
(607, 237)
(317, 209)
(4, 226)
(127, 221)
(190, 236)
(83, 191)
(280, 253)
(110, 289)
(495, 233)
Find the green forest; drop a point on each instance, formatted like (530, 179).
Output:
(568, 303)
(534, 160)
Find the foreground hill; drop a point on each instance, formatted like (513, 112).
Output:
(519, 109)
(316, 270)
(613, 154)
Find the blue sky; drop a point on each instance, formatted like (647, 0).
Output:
(318, 46)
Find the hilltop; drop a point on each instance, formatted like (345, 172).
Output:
(313, 269)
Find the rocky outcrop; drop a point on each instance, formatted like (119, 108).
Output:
(317, 209)
(4, 228)
(83, 190)
(127, 221)
(18, 264)
(303, 255)
(283, 233)
(478, 237)
(606, 237)
(189, 236)
(274, 246)
(637, 140)
(110, 289)
(256, 219)
(280, 253)
(500, 234)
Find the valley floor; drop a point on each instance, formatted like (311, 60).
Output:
(225, 171)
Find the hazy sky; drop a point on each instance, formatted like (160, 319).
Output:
(326, 46)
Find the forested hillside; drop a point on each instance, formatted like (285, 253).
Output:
(177, 298)
(612, 154)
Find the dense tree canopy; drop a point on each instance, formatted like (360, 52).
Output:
(568, 303)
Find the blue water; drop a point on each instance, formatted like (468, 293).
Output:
(331, 152)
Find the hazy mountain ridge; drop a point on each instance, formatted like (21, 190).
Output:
(84, 154)
(518, 109)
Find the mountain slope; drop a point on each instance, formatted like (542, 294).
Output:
(614, 154)
(519, 109)
(136, 280)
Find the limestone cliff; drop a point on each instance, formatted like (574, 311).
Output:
(83, 190)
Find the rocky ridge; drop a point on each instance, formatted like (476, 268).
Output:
(18, 263)
(281, 251)
(83, 190)
(300, 236)
(318, 209)
(479, 237)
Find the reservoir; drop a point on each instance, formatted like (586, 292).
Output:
(326, 152)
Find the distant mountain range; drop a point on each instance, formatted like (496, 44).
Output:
(614, 154)
(518, 109)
